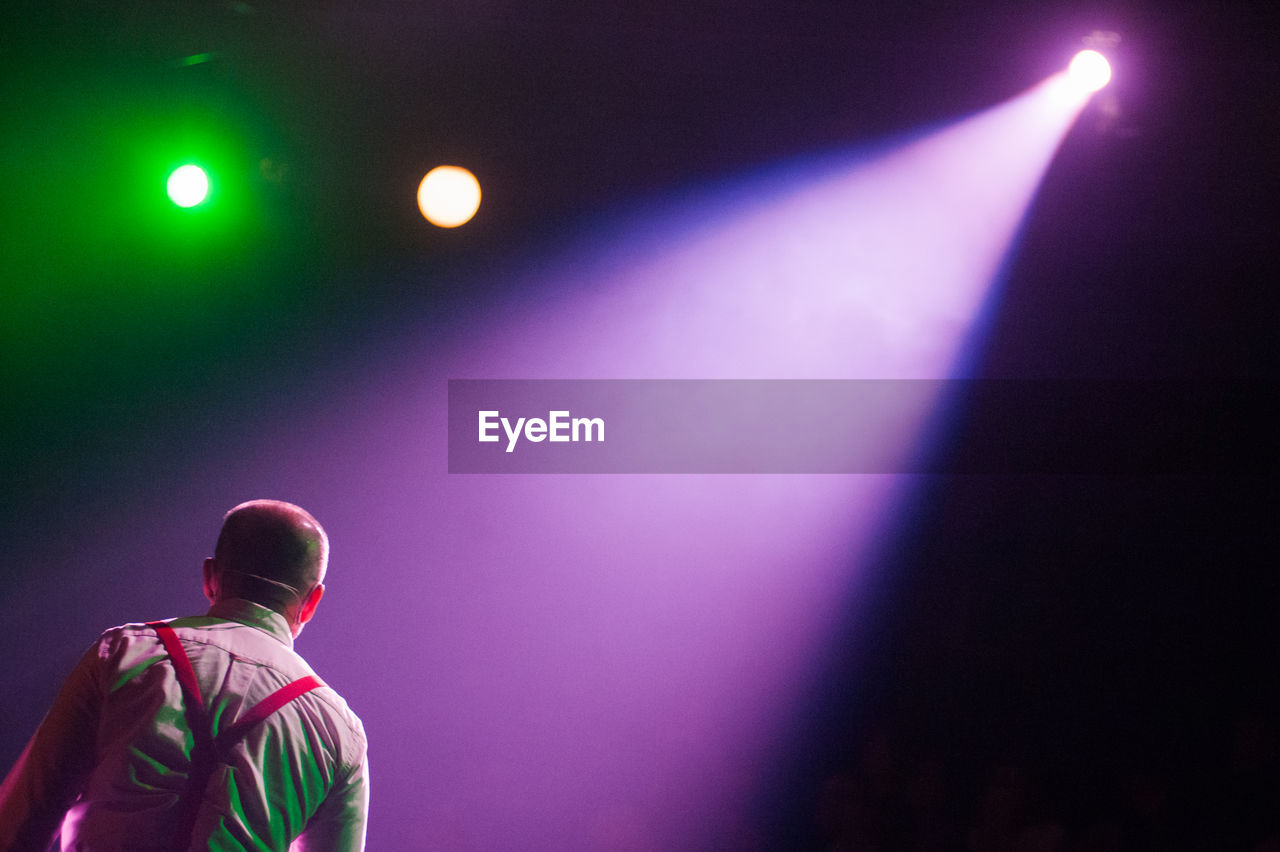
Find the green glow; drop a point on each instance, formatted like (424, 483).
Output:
(194, 59)
(188, 186)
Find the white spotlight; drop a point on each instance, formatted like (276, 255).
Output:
(1090, 70)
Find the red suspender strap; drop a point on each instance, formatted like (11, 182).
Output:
(201, 748)
(202, 755)
(181, 665)
(264, 708)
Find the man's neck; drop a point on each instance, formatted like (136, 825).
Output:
(253, 614)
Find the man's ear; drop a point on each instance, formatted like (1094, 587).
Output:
(210, 580)
(309, 605)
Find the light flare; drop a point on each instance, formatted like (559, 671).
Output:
(1089, 70)
(188, 186)
(449, 196)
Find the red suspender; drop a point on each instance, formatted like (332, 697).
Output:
(207, 746)
(264, 708)
(202, 758)
(181, 667)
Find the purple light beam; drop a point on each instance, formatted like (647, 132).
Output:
(608, 662)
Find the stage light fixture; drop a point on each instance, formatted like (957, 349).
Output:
(449, 196)
(188, 186)
(1090, 70)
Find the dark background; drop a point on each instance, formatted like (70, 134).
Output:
(1082, 628)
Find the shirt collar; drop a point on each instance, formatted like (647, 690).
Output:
(254, 615)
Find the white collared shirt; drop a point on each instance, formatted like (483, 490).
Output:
(114, 751)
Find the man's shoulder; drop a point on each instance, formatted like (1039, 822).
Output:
(245, 644)
(339, 708)
(202, 636)
(196, 628)
(134, 628)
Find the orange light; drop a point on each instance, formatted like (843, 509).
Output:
(449, 196)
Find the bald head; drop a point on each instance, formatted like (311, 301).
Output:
(270, 552)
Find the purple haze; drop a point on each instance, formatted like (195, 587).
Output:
(610, 662)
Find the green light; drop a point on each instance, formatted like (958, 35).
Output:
(194, 59)
(188, 186)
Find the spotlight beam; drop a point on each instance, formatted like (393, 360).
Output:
(611, 660)
(607, 662)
